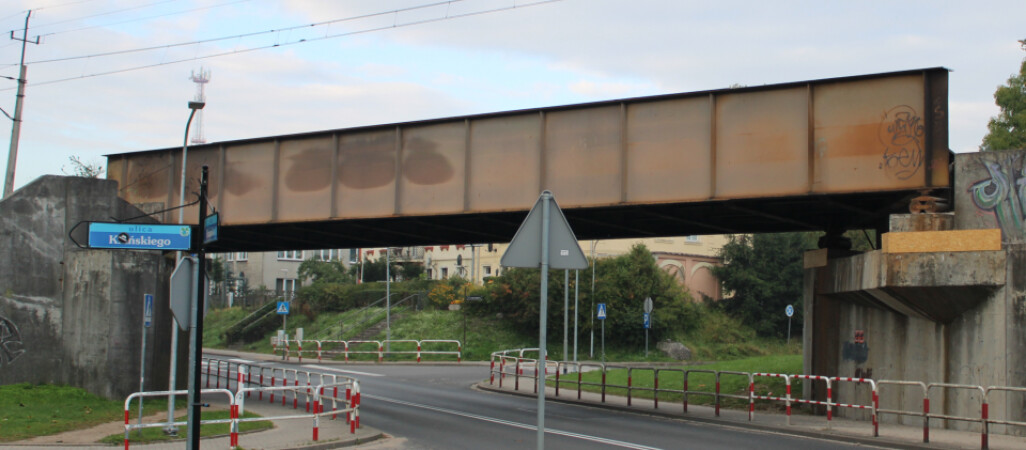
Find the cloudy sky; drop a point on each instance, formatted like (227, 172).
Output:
(113, 76)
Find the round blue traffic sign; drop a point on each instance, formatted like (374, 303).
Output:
(789, 310)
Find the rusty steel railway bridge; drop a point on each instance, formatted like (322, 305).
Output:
(823, 155)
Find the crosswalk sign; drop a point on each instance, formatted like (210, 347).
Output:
(602, 311)
(283, 308)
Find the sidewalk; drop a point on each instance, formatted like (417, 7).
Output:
(838, 429)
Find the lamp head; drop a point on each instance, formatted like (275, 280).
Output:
(197, 105)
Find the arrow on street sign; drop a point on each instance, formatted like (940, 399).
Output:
(526, 247)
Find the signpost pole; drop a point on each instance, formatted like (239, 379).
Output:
(577, 301)
(543, 358)
(147, 318)
(790, 312)
(601, 313)
(196, 341)
(544, 229)
(566, 312)
(591, 353)
(647, 321)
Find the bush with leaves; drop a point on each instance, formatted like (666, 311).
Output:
(448, 292)
(622, 283)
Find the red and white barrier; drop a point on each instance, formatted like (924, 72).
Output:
(140, 395)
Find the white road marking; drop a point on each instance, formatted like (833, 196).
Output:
(517, 424)
(314, 366)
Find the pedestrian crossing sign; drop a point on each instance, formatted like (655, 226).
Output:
(602, 311)
(283, 308)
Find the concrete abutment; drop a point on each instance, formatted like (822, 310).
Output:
(943, 301)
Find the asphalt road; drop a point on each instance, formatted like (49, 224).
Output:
(435, 407)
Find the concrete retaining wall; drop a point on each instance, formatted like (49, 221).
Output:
(70, 315)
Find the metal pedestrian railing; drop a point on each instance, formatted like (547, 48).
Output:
(243, 381)
(332, 348)
(511, 363)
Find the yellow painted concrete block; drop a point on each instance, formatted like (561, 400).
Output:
(942, 241)
(815, 258)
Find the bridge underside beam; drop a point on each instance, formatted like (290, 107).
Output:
(736, 216)
(747, 160)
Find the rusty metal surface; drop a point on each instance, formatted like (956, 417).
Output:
(874, 133)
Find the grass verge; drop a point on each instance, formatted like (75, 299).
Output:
(150, 435)
(29, 410)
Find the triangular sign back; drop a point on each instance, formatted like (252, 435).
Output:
(525, 249)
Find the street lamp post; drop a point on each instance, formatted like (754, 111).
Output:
(171, 429)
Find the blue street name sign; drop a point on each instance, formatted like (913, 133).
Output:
(148, 310)
(137, 236)
(648, 321)
(283, 308)
(602, 311)
(210, 228)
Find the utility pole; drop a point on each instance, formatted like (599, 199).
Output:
(12, 157)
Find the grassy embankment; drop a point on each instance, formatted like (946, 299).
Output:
(720, 343)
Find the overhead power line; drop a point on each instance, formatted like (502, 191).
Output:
(243, 35)
(281, 44)
(140, 19)
(117, 11)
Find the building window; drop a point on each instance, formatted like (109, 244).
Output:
(693, 238)
(430, 274)
(330, 254)
(229, 257)
(445, 273)
(487, 270)
(242, 256)
(290, 255)
(285, 285)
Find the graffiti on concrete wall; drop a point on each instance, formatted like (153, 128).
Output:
(1004, 195)
(11, 346)
(902, 133)
(856, 350)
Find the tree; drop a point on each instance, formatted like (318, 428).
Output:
(622, 283)
(1007, 131)
(327, 284)
(80, 168)
(375, 270)
(764, 273)
(317, 271)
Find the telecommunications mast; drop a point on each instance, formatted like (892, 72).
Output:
(201, 79)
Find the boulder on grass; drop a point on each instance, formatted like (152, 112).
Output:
(675, 350)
